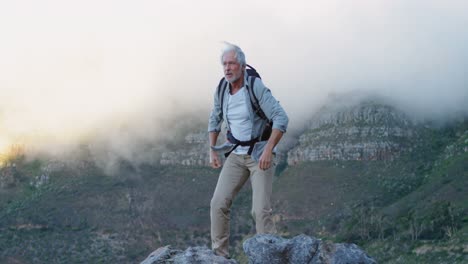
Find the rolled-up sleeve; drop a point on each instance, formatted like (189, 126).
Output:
(271, 107)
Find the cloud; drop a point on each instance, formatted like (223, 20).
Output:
(74, 70)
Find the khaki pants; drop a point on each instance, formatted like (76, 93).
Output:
(235, 173)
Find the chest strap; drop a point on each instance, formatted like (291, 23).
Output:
(233, 140)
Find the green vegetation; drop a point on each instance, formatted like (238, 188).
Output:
(408, 210)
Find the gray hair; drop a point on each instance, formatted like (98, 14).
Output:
(239, 54)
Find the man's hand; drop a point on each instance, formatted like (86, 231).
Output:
(215, 161)
(265, 160)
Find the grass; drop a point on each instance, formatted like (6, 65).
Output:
(139, 209)
(86, 216)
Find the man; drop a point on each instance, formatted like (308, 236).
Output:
(246, 126)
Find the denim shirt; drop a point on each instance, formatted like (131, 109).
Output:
(267, 102)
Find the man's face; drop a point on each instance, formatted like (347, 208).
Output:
(232, 68)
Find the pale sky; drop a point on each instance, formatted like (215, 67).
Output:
(70, 69)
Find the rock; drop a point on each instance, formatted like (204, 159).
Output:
(359, 130)
(341, 253)
(457, 148)
(8, 176)
(193, 255)
(272, 249)
(160, 255)
(269, 249)
(40, 180)
(367, 131)
(193, 152)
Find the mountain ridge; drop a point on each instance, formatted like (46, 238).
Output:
(58, 211)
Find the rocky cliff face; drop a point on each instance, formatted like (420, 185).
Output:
(367, 131)
(7, 176)
(193, 151)
(459, 147)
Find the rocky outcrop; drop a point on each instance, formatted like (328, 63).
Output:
(198, 255)
(457, 148)
(39, 180)
(193, 152)
(270, 249)
(8, 176)
(362, 131)
(367, 131)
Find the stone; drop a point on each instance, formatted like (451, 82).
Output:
(160, 255)
(272, 249)
(192, 255)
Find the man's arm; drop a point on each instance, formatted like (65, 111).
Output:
(275, 113)
(214, 127)
(215, 161)
(271, 107)
(267, 156)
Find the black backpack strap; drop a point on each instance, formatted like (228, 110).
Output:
(251, 71)
(236, 142)
(221, 90)
(254, 100)
(230, 151)
(218, 90)
(258, 110)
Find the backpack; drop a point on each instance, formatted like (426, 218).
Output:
(253, 74)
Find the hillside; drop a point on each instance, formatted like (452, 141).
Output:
(416, 192)
(364, 173)
(116, 218)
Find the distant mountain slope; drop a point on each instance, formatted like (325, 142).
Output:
(115, 218)
(367, 131)
(364, 173)
(419, 194)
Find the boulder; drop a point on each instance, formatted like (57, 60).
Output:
(192, 255)
(302, 249)
(269, 249)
